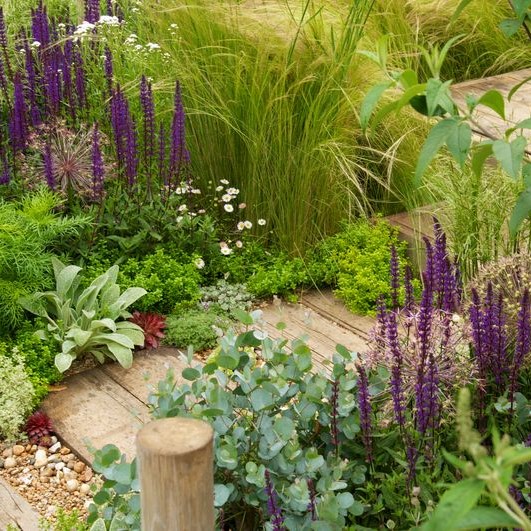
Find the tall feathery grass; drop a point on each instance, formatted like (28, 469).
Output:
(272, 91)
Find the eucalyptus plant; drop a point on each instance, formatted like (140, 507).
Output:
(88, 321)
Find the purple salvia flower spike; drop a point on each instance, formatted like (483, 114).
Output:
(148, 115)
(394, 269)
(80, 78)
(408, 288)
(31, 76)
(163, 174)
(131, 153)
(92, 11)
(277, 518)
(109, 8)
(18, 125)
(108, 67)
(365, 409)
(396, 370)
(3, 83)
(500, 345)
(179, 156)
(98, 170)
(523, 344)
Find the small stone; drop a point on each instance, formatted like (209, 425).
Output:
(1, 463)
(87, 475)
(8, 452)
(48, 472)
(53, 458)
(51, 509)
(72, 485)
(28, 447)
(84, 489)
(59, 466)
(40, 458)
(79, 467)
(71, 464)
(10, 462)
(55, 447)
(18, 449)
(64, 450)
(54, 439)
(34, 448)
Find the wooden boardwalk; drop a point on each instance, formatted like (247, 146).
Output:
(108, 404)
(15, 511)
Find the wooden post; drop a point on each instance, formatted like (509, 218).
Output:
(175, 459)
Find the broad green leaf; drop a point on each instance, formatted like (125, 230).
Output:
(455, 504)
(438, 95)
(243, 316)
(123, 355)
(436, 139)
(103, 323)
(261, 399)
(480, 154)
(65, 279)
(510, 155)
(485, 517)
(493, 100)
(116, 337)
(370, 101)
(129, 296)
(345, 500)
(98, 525)
(459, 141)
(221, 494)
(33, 304)
(524, 124)
(510, 26)
(395, 106)
(408, 78)
(79, 336)
(521, 7)
(58, 266)
(191, 374)
(136, 335)
(63, 361)
(462, 5)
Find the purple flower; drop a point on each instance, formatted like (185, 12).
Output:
(48, 167)
(32, 84)
(365, 409)
(148, 118)
(394, 267)
(18, 124)
(98, 170)
(131, 153)
(80, 78)
(92, 11)
(523, 343)
(52, 82)
(120, 123)
(3, 41)
(40, 26)
(408, 287)
(396, 369)
(108, 67)
(109, 8)
(179, 155)
(163, 174)
(277, 518)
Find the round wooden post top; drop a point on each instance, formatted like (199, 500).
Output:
(174, 436)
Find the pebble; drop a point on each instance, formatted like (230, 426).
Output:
(84, 489)
(87, 475)
(79, 467)
(55, 447)
(72, 485)
(59, 466)
(64, 450)
(40, 458)
(8, 452)
(1, 463)
(18, 449)
(54, 439)
(10, 462)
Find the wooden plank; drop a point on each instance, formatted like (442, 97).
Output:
(15, 510)
(96, 409)
(149, 367)
(330, 307)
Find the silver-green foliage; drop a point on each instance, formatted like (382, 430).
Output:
(28, 230)
(88, 321)
(16, 395)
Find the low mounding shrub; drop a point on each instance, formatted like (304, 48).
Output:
(16, 394)
(356, 263)
(195, 327)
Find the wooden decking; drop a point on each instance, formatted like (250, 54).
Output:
(107, 405)
(15, 511)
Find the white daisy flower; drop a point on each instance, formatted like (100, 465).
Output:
(228, 208)
(248, 224)
(261, 222)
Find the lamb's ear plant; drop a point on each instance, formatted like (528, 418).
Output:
(88, 321)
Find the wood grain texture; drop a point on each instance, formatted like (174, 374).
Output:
(176, 468)
(15, 510)
(94, 409)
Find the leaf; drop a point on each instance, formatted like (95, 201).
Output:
(521, 211)
(517, 87)
(462, 5)
(123, 355)
(63, 361)
(455, 504)
(98, 525)
(437, 95)
(65, 279)
(105, 323)
(221, 494)
(408, 78)
(261, 399)
(191, 374)
(129, 296)
(243, 316)
(435, 140)
(481, 153)
(493, 100)
(459, 141)
(510, 155)
(370, 101)
(485, 517)
(510, 26)
(79, 336)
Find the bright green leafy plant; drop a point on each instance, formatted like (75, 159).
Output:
(89, 321)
